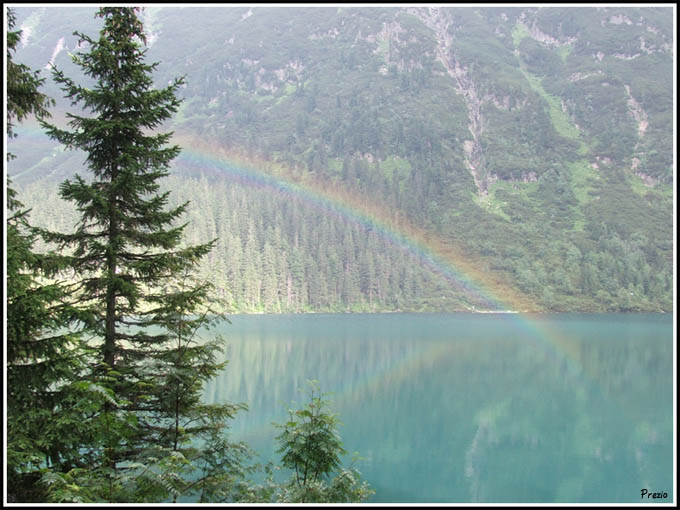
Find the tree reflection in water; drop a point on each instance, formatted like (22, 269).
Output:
(457, 408)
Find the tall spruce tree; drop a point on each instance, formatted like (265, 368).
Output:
(128, 256)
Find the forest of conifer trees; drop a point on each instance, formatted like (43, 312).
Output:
(279, 254)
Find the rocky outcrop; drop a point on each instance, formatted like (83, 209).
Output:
(247, 15)
(390, 32)
(292, 72)
(623, 56)
(331, 33)
(437, 21)
(637, 113)
(500, 103)
(538, 35)
(582, 76)
(617, 20)
(647, 180)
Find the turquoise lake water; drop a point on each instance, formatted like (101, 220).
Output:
(454, 408)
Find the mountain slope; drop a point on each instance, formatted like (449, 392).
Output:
(537, 142)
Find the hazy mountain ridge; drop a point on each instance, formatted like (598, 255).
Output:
(538, 139)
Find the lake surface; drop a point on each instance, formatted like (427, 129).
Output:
(471, 408)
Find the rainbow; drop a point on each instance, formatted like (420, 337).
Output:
(444, 258)
(438, 255)
(488, 289)
(553, 345)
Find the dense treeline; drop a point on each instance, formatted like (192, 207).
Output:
(278, 253)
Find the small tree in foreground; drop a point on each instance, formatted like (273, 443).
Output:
(312, 450)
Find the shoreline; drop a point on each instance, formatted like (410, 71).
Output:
(470, 312)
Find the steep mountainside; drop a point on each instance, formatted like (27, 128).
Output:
(530, 149)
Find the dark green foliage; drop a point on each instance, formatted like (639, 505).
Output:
(23, 97)
(127, 257)
(188, 434)
(119, 417)
(309, 442)
(619, 48)
(538, 58)
(314, 269)
(572, 110)
(48, 410)
(312, 450)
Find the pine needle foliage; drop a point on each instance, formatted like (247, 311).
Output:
(312, 450)
(49, 412)
(131, 269)
(23, 95)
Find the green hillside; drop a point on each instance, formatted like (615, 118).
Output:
(534, 143)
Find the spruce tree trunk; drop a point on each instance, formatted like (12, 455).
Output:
(110, 337)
